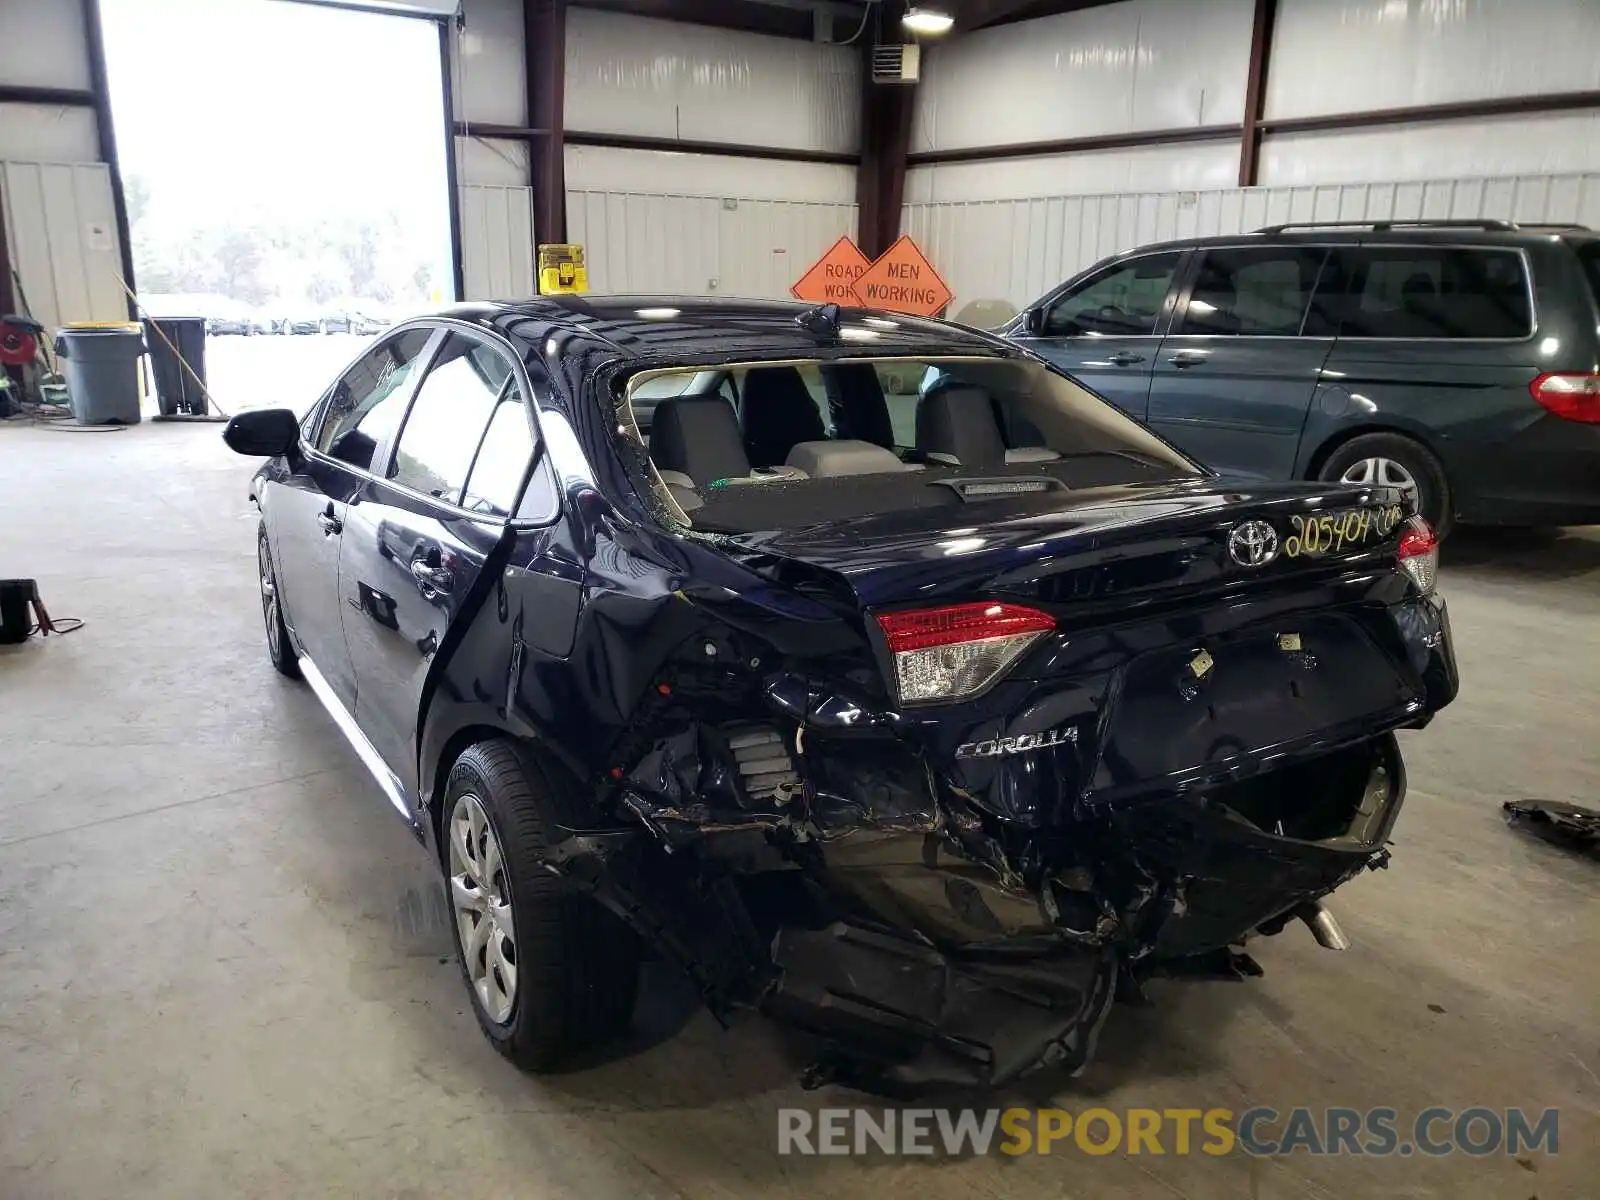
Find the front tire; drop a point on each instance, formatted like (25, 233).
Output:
(550, 972)
(1394, 460)
(279, 647)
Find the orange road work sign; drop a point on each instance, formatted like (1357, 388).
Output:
(831, 277)
(903, 280)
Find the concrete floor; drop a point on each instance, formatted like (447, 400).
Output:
(218, 976)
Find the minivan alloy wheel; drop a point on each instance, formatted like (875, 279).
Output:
(482, 903)
(1382, 472)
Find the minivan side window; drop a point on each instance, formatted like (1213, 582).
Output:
(448, 417)
(1124, 299)
(1254, 291)
(367, 403)
(1432, 292)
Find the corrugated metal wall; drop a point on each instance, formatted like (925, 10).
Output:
(700, 245)
(497, 242)
(62, 231)
(1015, 250)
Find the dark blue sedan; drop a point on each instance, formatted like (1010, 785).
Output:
(866, 668)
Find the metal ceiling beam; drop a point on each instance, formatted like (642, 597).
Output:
(545, 46)
(1255, 91)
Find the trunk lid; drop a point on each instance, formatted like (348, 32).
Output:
(1078, 552)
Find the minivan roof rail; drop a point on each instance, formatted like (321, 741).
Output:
(1490, 224)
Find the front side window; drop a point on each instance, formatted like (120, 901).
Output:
(1252, 291)
(1432, 292)
(447, 420)
(367, 403)
(1123, 299)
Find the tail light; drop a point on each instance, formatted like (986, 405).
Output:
(1419, 554)
(1575, 397)
(956, 651)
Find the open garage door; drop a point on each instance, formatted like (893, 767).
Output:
(286, 164)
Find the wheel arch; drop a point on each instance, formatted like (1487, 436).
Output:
(1341, 437)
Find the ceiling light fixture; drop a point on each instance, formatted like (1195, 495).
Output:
(927, 20)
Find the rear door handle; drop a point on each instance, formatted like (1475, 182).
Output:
(1126, 358)
(1188, 358)
(434, 580)
(330, 523)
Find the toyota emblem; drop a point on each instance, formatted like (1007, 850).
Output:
(1253, 544)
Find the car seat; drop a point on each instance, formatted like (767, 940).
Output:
(697, 437)
(778, 413)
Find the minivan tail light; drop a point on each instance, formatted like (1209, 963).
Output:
(1419, 554)
(958, 650)
(1569, 395)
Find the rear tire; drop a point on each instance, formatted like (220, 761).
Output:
(1393, 457)
(574, 965)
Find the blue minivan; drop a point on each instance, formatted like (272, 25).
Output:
(1459, 361)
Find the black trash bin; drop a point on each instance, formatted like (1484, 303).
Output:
(178, 391)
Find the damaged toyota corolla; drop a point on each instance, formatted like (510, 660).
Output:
(866, 668)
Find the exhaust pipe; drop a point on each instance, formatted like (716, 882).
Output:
(1323, 926)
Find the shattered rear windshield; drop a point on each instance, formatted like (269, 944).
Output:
(786, 445)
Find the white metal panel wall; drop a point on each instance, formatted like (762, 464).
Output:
(1142, 169)
(1138, 65)
(62, 234)
(613, 169)
(497, 242)
(42, 44)
(700, 245)
(492, 161)
(489, 65)
(1552, 144)
(651, 78)
(48, 133)
(1015, 250)
(1331, 56)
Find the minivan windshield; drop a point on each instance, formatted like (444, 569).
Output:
(791, 444)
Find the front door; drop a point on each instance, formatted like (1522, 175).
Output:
(309, 513)
(417, 538)
(1104, 330)
(1235, 376)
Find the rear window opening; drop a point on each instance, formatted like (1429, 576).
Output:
(785, 445)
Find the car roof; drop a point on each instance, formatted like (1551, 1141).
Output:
(701, 330)
(1487, 233)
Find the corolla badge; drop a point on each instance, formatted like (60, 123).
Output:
(1253, 544)
(1021, 744)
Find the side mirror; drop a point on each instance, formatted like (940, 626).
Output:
(1033, 321)
(264, 433)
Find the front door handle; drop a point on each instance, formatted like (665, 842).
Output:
(1188, 358)
(435, 581)
(1126, 358)
(330, 523)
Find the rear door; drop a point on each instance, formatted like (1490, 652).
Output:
(1105, 329)
(308, 513)
(417, 537)
(1235, 376)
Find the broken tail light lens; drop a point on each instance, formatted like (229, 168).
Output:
(959, 650)
(1575, 397)
(1419, 554)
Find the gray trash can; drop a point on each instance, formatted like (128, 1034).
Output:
(101, 364)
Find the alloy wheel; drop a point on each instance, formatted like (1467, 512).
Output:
(269, 596)
(1382, 472)
(482, 903)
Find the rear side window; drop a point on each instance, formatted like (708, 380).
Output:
(1589, 256)
(448, 417)
(502, 458)
(1259, 291)
(1430, 292)
(1123, 299)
